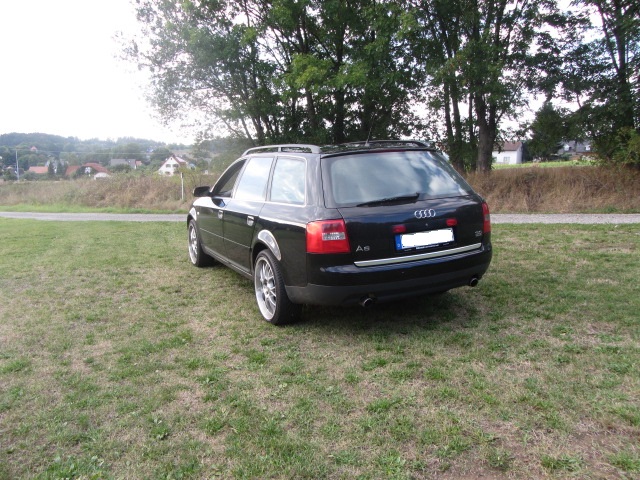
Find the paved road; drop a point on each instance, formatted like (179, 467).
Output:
(83, 217)
(585, 219)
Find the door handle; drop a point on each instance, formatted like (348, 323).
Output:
(220, 214)
(250, 220)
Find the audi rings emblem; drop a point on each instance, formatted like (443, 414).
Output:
(425, 213)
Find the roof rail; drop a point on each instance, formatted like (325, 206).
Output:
(369, 143)
(307, 148)
(291, 147)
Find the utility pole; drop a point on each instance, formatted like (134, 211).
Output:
(17, 166)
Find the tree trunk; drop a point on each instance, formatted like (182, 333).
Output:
(449, 125)
(458, 139)
(338, 124)
(486, 135)
(311, 113)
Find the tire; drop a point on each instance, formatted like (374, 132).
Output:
(271, 296)
(196, 254)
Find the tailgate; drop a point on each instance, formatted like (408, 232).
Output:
(414, 231)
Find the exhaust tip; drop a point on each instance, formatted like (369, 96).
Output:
(367, 302)
(474, 281)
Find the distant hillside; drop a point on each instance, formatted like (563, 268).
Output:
(57, 144)
(39, 149)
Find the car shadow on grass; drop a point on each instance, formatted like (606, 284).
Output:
(449, 311)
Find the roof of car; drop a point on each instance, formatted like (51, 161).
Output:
(344, 147)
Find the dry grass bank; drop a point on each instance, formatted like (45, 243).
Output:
(120, 192)
(560, 190)
(522, 190)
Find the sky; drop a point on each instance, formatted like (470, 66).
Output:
(61, 73)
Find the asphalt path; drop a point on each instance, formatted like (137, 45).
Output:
(571, 218)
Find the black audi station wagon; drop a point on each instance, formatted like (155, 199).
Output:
(350, 224)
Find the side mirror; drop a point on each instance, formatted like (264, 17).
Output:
(201, 191)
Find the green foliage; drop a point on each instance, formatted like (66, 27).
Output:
(69, 151)
(628, 148)
(480, 61)
(126, 151)
(124, 168)
(628, 461)
(331, 71)
(159, 155)
(548, 130)
(600, 74)
(282, 71)
(562, 462)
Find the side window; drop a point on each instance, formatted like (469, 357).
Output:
(224, 186)
(288, 185)
(253, 183)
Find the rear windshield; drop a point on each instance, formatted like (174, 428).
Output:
(358, 179)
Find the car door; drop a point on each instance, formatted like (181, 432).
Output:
(211, 210)
(243, 209)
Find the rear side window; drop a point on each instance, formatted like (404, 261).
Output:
(253, 183)
(224, 186)
(351, 180)
(288, 184)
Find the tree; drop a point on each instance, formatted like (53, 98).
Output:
(127, 151)
(205, 57)
(6, 157)
(620, 20)
(287, 70)
(486, 55)
(159, 155)
(548, 129)
(600, 75)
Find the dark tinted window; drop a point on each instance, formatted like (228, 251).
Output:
(253, 183)
(362, 178)
(288, 181)
(224, 186)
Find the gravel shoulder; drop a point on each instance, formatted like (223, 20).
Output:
(571, 218)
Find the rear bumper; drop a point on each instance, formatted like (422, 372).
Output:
(353, 284)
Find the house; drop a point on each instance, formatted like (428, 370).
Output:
(71, 170)
(55, 165)
(171, 165)
(508, 153)
(87, 169)
(122, 161)
(575, 149)
(92, 168)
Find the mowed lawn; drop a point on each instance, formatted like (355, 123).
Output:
(118, 359)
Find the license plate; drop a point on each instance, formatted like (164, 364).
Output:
(424, 239)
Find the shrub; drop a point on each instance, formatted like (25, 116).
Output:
(628, 153)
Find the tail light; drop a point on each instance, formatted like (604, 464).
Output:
(486, 224)
(327, 236)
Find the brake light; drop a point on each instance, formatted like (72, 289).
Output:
(327, 236)
(486, 224)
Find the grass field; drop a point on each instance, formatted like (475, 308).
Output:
(118, 359)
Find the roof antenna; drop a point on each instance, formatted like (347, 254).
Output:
(366, 144)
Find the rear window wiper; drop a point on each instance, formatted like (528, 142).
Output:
(412, 197)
